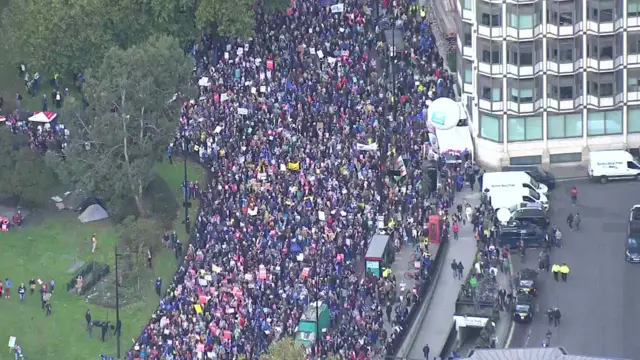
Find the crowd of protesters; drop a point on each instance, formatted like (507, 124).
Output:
(288, 125)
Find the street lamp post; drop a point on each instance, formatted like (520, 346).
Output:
(186, 204)
(118, 326)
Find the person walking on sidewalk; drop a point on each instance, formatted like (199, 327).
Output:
(564, 270)
(576, 222)
(454, 267)
(570, 221)
(460, 270)
(455, 229)
(425, 351)
(574, 195)
(555, 269)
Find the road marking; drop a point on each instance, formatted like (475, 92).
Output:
(572, 178)
(510, 336)
(526, 342)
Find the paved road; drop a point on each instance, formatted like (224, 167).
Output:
(436, 324)
(600, 303)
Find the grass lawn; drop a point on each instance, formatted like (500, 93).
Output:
(46, 250)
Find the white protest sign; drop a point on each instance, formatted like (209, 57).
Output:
(253, 90)
(322, 216)
(224, 97)
(240, 51)
(263, 89)
(243, 111)
(337, 8)
(320, 54)
(226, 56)
(312, 51)
(331, 60)
(217, 130)
(12, 342)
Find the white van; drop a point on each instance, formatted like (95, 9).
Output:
(612, 164)
(512, 179)
(509, 197)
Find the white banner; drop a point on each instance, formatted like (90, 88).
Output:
(337, 8)
(370, 147)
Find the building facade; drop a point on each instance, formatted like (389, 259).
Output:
(546, 82)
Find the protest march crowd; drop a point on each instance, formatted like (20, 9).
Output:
(288, 125)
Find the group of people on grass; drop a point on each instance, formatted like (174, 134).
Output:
(288, 123)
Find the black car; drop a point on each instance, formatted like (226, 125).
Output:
(632, 251)
(523, 309)
(512, 232)
(537, 216)
(536, 173)
(527, 283)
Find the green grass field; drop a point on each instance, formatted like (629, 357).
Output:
(46, 250)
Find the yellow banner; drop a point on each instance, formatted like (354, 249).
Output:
(293, 166)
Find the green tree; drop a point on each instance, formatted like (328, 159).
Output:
(137, 237)
(114, 144)
(25, 175)
(231, 18)
(55, 36)
(285, 348)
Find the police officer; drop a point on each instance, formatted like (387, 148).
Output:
(564, 270)
(555, 269)
(550, 315)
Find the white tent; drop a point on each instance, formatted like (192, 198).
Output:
(43, 117)
(204, 81)
(2, 118)
(94, 212)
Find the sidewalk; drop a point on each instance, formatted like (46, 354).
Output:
(399, 267)
(437, 313)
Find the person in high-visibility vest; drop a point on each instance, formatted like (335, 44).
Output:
(555, 269)
(564, 270)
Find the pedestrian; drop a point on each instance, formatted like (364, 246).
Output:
(170, 154)
(7, 288)
(425, 351)
(47, 307)
(52, 286)
(21, 291)
(460, 270)
(574, 195)
(159, 286)
(570, 221)
(90, 330)
(456, 228)
(389, 310)
(454, 267)
(556, 316)
(576, 222)
(32, 286)
(87, 318)
(555, 269)
(94, 243)
(564, 270)
(149, 258)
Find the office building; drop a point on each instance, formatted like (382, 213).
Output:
(545, 82)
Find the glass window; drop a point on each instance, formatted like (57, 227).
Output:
(564, 126)
(633, 8)
(526, 160)
(467, 4)
(633, 43)
(521, 21)
(566, 92)
(468, 75)
(491, 127)
(490, 20)
(633, 120)
(565, 158)
(524, 129)
(566, 18)
(633, 79)
(604, 122)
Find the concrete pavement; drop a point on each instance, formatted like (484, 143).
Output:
(599, 303)
(434, 321)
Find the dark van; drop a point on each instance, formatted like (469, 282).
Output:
(532, 215)
(512, 232)
(535, 172)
